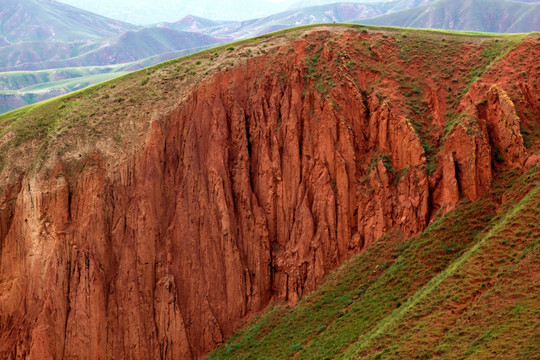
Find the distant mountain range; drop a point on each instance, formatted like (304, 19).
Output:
(127, 47)
(148, 12)
(337, 12)
(471, 15)
(55, 38)
(41, 20)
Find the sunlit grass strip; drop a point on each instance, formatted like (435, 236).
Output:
(356, 348)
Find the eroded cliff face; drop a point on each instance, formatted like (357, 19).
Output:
(265, 178)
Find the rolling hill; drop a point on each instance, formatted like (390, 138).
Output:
(40, 70)
(128, 47)
(503, 16)
(471, 15)
(194, 24)
(397, 4)
(147, 12)
(330, 191)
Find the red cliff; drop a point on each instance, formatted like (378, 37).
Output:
(251, 189)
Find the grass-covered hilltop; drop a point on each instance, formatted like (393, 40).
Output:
(324, 192)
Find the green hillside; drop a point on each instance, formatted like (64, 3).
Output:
(467, 287)
(33, 86)
(17, 80)
(70, 84)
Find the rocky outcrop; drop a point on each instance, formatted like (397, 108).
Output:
(396, 192)
(467, 158)
(504, 126)
(251, 190)
(464, 163)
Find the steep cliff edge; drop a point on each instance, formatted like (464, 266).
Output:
(152, 224)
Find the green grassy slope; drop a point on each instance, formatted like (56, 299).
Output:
(466, 287)
(16, 80)
(11, 99)
(67, 84)
(20, 88)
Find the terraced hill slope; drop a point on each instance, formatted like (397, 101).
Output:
(153, 215)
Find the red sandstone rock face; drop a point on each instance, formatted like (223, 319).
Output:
(250, 190)
(465, 163)
(504, 127)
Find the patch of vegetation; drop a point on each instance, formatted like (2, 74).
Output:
(386, 160)
(491, 52)
(320, 74)
(351, 64)
(530, 134)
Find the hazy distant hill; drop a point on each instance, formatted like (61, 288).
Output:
(396, 13)
(153, 11)
(193, 23)
(405, 4)
(39, 20)
(127, 47)
(328, 13)
(472, 15)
